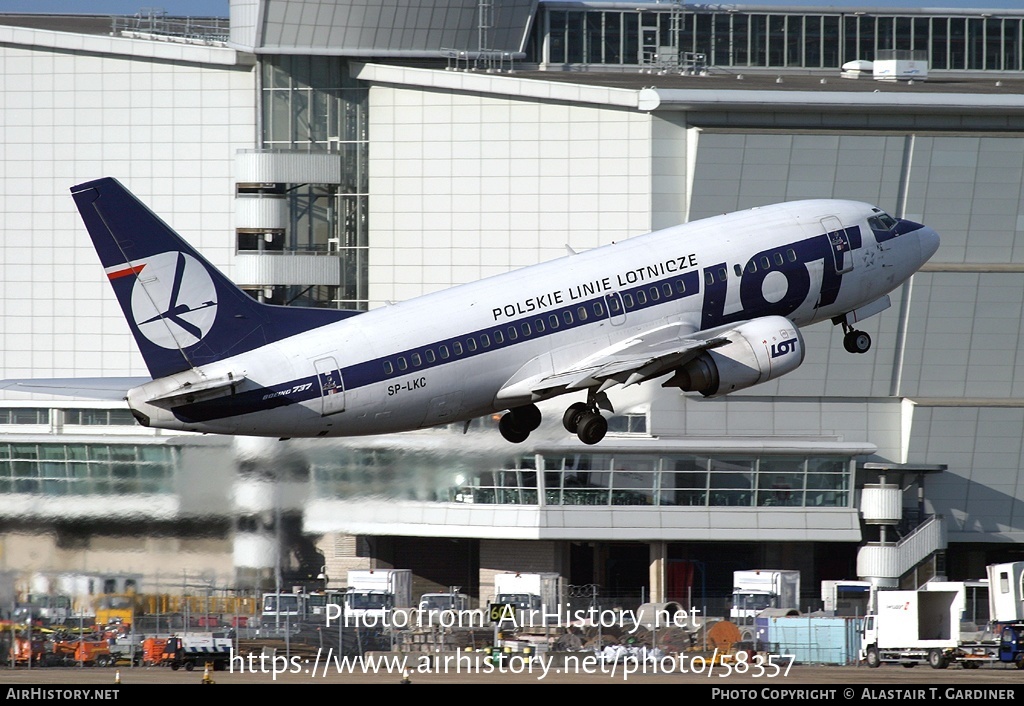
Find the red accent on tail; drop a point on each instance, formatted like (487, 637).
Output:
(125, 272)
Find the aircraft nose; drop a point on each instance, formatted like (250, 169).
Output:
(928, 240)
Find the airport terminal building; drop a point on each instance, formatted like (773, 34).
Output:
(331, 153)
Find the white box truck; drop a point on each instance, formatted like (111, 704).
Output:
(536, 597)
(281, 610)
(437, 608)
(372, 595)
(913, 627)
(756, 590)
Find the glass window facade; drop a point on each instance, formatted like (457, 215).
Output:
(24, 415)
(310, 103)
(99, 417)
(732, 37)
(85, 469)
(593, 479)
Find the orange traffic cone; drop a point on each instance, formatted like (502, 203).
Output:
(117, 677)
(207, 679)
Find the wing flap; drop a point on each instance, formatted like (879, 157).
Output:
(630, 366)
(642, 357)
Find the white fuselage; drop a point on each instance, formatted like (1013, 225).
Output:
(447, 356)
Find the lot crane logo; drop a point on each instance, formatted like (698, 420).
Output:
(173, 301)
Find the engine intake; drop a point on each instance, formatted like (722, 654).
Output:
(758, 351)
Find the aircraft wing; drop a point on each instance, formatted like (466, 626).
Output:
(647, 355)
(87, 388)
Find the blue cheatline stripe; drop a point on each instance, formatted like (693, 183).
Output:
(641, 297)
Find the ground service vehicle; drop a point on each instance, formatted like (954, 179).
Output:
(432, 606)
(846, 598)
(373, 594)
(281, 609)
(191, 651)
(919, 627)
(43, 609)
(1011, 644)
(25, 651)
(1006, 592)
(317, 603)
(755, 590)
(121, 608)
(536, 597)
(1006, 609)
(153, 649)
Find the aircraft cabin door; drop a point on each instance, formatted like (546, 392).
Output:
(332, 387)
(616, 311)
(840, 242)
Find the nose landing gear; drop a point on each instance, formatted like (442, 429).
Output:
(855, 341)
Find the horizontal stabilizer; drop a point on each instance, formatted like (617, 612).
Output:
(86, 388)
(189, 393)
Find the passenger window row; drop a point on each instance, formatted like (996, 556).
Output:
(639, 297)
(761, 262)
(496, 337)
(770, 260)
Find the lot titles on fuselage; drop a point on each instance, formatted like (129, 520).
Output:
(791, 260)
(597, 287)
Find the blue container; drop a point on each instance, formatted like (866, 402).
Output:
(810, 640)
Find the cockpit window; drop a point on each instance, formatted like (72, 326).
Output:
(883, 225)
(882, 222)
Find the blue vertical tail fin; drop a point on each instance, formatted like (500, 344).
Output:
(182, 310)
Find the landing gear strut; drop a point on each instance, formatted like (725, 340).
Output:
(585, 421)
(855, 341)
(516, 424)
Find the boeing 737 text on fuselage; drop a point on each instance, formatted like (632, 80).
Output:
(709, 307)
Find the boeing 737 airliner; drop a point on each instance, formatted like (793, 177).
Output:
(710, 307)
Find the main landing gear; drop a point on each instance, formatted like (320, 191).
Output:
(516, 424)
(581, 418)
(855, 341)
(585, 421)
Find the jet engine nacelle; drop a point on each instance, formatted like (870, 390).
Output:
(758, 351)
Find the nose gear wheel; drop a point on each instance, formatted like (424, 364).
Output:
(856, 341)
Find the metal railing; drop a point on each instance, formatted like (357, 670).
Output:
(159, 24)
